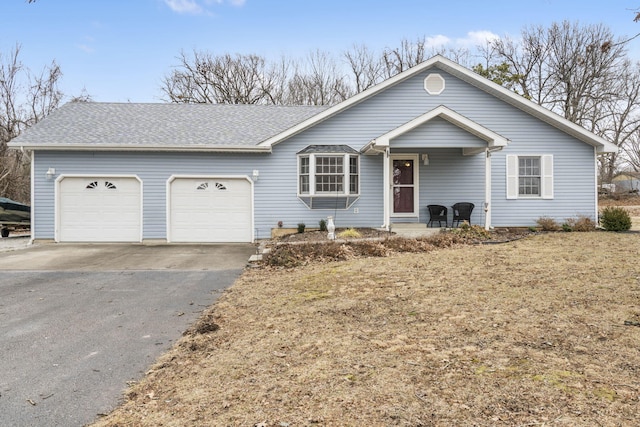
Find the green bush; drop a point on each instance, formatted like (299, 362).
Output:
(323, 225)
(301, 227)
(615, 218)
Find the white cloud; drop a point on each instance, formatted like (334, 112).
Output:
(87, 45)
(437, 41)
(85, 48)
(184, 6)
(476, 38)
(197, 7)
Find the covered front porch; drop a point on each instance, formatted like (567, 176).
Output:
(438, 158)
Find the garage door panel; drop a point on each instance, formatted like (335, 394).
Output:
(98, 209)
(210, 210)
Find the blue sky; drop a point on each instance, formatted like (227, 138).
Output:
(119, 50)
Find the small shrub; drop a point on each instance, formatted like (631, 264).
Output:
(301, 227)
(581, 223)
(283, 256)
(467, 230)
(323, 225)
(533, 229)
(615, 219)
(350, 233)
(370, 249)
(547, 224)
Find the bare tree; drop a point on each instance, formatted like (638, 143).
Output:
(25, 99)
(407, 55)
(580, 72)
(224, 79)
(318, 81)
(366, 69)
(617, 118)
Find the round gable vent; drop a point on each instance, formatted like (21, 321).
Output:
(434, 84)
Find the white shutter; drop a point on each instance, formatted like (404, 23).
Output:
(512, 177)
(547, 176)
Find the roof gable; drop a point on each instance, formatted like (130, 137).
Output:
(493, 139)
(458, 71)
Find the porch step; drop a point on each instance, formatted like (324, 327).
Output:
(413, 230)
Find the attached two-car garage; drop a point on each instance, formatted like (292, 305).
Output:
(199, 209)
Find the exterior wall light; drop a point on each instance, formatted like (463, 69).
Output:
(50, 173)
(256, 174)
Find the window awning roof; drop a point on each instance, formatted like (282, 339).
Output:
(328, 149)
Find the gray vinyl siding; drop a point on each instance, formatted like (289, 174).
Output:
(450, 177)
(438, 186)
(574, 161)
(440, 134)
(275, 197)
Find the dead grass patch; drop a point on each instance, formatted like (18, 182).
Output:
(530, 332)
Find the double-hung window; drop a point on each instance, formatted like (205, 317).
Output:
(530, 177)
(328, 176)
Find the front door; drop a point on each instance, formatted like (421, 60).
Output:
(404, 186)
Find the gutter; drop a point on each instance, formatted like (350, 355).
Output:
(200, 148)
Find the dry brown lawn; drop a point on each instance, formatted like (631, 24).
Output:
(538, 332)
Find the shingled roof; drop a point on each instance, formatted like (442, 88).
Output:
(128, 126)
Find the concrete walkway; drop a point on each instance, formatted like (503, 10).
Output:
(414, 230)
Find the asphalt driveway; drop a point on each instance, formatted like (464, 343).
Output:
(77, 322)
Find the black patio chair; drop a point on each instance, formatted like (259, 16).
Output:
(437, 213)
(462, 212)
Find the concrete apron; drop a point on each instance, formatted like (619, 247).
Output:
(414, 230)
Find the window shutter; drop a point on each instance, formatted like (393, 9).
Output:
(547, 176)
(512, 177)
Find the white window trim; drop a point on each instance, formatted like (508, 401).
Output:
(439, 78)
(546, 177)
(312, 175)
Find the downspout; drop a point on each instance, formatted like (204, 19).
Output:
(386, 184)
(595, 192)
(487, 190)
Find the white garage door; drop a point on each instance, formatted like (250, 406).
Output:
(99, 210)
(210, 210)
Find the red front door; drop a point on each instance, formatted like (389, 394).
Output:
(403, 186)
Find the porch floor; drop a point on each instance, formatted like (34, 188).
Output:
(413, 230)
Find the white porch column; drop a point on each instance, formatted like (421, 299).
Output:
(386, 183)
(487, 190)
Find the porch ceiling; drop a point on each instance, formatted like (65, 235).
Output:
(494, 140)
